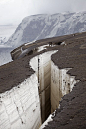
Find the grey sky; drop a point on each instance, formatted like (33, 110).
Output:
(13, 11)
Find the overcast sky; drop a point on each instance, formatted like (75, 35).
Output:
(13, 11)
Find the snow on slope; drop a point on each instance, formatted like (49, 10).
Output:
(44, 26)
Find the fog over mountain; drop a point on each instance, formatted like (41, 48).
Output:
(13, 11)
(44, 26)
(5, 32)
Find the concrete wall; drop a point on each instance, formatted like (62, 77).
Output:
(20, 107)
(42, 65)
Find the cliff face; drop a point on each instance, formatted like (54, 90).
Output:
(59, 75)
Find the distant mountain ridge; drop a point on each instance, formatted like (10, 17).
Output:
(44, 26)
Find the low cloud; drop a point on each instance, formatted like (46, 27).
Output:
(13, 11)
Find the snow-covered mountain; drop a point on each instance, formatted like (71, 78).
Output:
(43, 26)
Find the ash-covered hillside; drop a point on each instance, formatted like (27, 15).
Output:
(44, 26)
